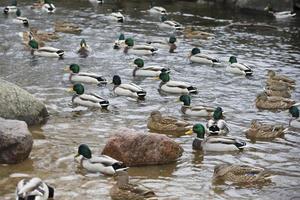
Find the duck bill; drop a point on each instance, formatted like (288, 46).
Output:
(77, 155)
(189, 132)
(70, 90)
(155, 78)
(67, 69)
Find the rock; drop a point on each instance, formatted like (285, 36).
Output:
(16, 103)
(136, 149)
(15, 141)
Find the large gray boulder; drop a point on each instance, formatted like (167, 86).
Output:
(137, 149)
(15, 141)
(16, 103)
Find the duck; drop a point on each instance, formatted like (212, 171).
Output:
(281, 93)
(199, 111)
(124, 190)
(240, 174)
(33, 188)
(214, 143)
(130, 48)
(191, 33)
(166, 124)
(94, 164)
(83, 77)
(38, 4)
(197, 57)
(259, 130)
(45, 51)
(175, 87)
(170, 44)
(117, 16)
(238, 68)
(28, 35)
(12, 8)
(272, 76)
(97, 1)
(170, 24)
(120, 43)
(48, 7)
(91, 100)
(129, 90)
(280, 85)
(148, 71)
(67, 27)
(44, 36)
(295, 120)
(84, 49)
(217, 125)
(157, 9)
(273, 102)
(282, 14)
(21, 20)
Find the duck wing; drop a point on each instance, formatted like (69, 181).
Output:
(179, 84)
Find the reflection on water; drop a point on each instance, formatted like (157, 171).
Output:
(56, 142)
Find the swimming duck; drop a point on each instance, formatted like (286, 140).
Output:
(28, 35)
(129, 90)
(123, 190)
(48, 6)
(45, 51)
(214, 143)
(34, 189)
(120, 43)
(157, 9)
(87, 100)
(138, 49)
(175, 87)
(170, 44)
(67, 27)
(191, 33)
(149, 71)
(240, 174)
(103, 164)
(272, 102)
(199, 111)
(84, 77)
(280, 15)
(197, 57)
(157, 122)
(280, 85)
(217, 125)
(295, 120)
(238, 68)
(21, 20)
(12, 8)
(281, 93)
(44, 36)
(259, 130)
(272, 76)
(97, 1)
(84, 49)
(170, 24)
(117, 16)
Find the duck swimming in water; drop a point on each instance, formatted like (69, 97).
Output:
(217, 125)
(238, 68)
(147, 71)
(197, 57)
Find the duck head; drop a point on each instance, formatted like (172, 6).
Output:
(139, 62)
(198, 129)
(195, 51)
(116, 80)
(163, 18)
(78, 88)
(172, 39)
(85, 151)
(155, 115)
(18, 12)
(122, 36)
(129, 42)
(33, 44)
(232, 59)
(218, 113)
(186, 99)
(164, 76)
(294, 111)
(74, 68)
(271, 73)
(83, 43)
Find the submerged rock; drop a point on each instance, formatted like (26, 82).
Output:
(15, 141)
(16, 103)
(136, 149)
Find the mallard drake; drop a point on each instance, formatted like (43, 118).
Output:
(199, 111)
(82, 77)
(191, 33)
(175, 87)
(157, 122)
(238, 68)
(295, 120)
(217, 125)
(120, 43)
(45, 51)
(84, 49)
(280, 15)
(67, 27)
(129, 90)
(48, 6)
(87, 100)
(157, 9)
(170, 24)
(197, 57)
(138, 49)
(12, 8)
(103, 164)
(117, 16)
(240, 174)
(149, 71)
(272, 102)
(259, 130)
(170, 44)
(214, 143)
(123, 190)
(272, 76)
(21, 20)
(281, 93)
(34, 189)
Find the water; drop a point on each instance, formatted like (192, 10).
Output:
(56, 142)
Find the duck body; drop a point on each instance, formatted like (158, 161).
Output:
(273, 76)
(49, 8)
(177, 87)
(279, 85)
(197, 111)
(238, 68)
(217, 127)
(66, 27)
(149, 71)
(10, 9)
(203, 59)
(21, 20)
(158, 10)
(130, 90)
(33, 188)
(117, 16)
(90, 78)
(140, 50)
(258, 130)
(273, 102)
(50, 52)
(218, 144)
(170, 24)
(90, 100)
(190, 33)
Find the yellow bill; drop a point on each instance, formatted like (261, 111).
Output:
(189, 132)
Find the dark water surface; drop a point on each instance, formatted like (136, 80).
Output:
(56, 142)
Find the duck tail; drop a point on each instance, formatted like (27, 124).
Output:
(141, 95)
(192, 90)
(119, 166)
(240, 144)
(51, 191)
(60, 53)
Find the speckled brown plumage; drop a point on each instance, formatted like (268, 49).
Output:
(259, 130)
(273, 102)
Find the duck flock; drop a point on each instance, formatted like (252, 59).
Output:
(212, 136)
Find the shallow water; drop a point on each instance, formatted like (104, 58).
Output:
(56, 142)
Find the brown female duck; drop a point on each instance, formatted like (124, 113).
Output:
(259, 130)
(272, 102)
